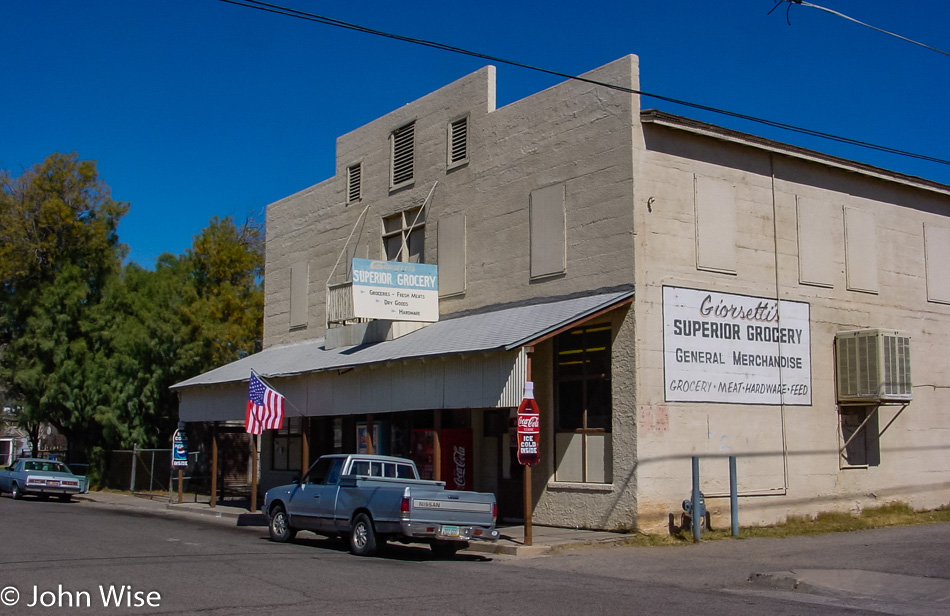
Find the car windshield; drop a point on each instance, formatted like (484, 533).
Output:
(45, 466)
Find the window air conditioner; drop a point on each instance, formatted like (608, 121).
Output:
(873, 367)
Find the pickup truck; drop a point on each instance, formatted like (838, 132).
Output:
(373, 499)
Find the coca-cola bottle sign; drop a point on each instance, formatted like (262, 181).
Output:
(529, 428)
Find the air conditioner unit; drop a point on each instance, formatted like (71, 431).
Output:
(873, 367)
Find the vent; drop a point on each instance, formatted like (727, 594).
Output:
(354, 183)
(873, 367)
(403, 141)
(458, 141)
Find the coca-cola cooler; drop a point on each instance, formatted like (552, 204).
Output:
(457, 458)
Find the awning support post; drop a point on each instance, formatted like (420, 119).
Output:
(253, 473)
(304, 445)
(528, 505)
(437, 445)
(214, 464)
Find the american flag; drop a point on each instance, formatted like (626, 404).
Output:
(265, 408)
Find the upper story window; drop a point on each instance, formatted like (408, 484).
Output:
(354, 182)
(458, 142)
(403, 152)
(404, 236)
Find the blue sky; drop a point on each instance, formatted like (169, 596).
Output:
(197, 108)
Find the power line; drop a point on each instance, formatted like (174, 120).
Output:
(281, 10)
(833, 12)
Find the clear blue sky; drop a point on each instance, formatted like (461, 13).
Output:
(197, 108)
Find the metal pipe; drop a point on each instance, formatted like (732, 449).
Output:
(733, 496)
(695, 513)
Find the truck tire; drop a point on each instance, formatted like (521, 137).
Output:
(279, 528)
(446, 549)
(362, 536)
(15, 491)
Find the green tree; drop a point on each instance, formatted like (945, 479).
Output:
(58, 248)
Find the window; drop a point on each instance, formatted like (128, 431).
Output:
(354, 183)
(860, 250)
(860, 440)
(404, 236)
(326, 471)
(583, 405)
(288, 446)
(451, 238)
(403, 151)
(715, 202)
(548, 235)
(937, 255)
(299, 282)
(458, 142)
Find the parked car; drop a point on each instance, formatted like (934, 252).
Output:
(373, 499)
(42, 478)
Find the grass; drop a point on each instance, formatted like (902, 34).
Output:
(894, 514)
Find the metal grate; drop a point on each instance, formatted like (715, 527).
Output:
(354, 183)
(458, 140)
(403, 142)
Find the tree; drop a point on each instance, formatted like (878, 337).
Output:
(59, 246)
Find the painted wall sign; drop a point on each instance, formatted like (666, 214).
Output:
(738, 349)
(395, 291)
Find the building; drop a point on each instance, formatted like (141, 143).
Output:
(676, 289)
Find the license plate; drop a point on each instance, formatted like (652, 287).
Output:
(52, 482)
(450, 531)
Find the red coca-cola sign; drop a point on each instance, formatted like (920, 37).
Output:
(529, 428)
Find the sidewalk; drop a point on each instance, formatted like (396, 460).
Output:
(235, 512)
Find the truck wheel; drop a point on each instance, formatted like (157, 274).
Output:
(279, 528)
(362, 536)
(446, 549)
(15, 491)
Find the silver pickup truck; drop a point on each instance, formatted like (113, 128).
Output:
(374, 499)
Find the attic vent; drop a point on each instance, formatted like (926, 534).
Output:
(354, 183)
(873, 367)
(458, 140)
(403, 141)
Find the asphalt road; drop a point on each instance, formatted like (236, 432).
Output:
(54, 553)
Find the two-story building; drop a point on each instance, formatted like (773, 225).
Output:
(675, 289)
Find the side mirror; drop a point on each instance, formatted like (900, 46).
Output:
(296, 480)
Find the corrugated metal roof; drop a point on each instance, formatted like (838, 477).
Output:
(504, 329)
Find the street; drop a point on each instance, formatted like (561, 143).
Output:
(56, 555)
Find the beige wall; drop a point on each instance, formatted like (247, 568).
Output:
(574, 134)
(788, 456)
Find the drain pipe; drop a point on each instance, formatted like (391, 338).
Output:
(733, 496)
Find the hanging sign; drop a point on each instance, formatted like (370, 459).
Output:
(529, 428)
(735, 349)
(179, 449)
(395, 291)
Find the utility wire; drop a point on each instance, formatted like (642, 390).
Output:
(281, 10)
(833, 12)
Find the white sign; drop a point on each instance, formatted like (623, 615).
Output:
(737, 349)
(395, 291)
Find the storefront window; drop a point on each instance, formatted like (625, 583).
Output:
(288, 446)
(583, 405)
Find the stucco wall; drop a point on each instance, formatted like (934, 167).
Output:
(788, 456)
(574, 133)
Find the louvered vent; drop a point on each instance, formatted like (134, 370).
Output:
(873, 366)
(403, 145)
(354, 183)
(458, 140)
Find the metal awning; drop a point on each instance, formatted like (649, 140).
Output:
(482, 365)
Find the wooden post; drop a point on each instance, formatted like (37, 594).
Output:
(370, 446)
(214, 464)
(181, 478)
(304, 446)
(437, 446)
(528, 505)
(253, 473)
